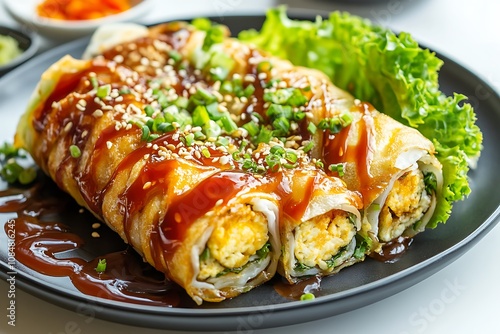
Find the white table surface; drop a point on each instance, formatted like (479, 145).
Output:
(468, 32)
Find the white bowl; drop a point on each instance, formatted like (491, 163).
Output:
(24, 11)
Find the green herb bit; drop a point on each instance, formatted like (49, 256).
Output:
(103, 91)
(27, 175)
(9, 151)
(311, 128)
(430, 182)
(265, 135)
(200, 116)
(264, 66)
(338, 168)
(101, 266)
(75, 151)
(205, 255)
(277, 150)
(276, 111)
(262, 253)
(320, 164)
(94, 82)
(189, 139)
(228, 124)
(205, 152)
(252, 128)
(226, 87)
(11, 170)
(307, 296)
(149, 110)
(309, 146)
(281, 126)
(175, 56)
(145, 132)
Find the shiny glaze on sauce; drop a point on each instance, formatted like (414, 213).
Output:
(46, 244)
(336, 149)
(392, 250)
(295, 291)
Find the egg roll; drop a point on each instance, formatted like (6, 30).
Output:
(185, 207)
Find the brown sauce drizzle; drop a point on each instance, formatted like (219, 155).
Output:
(336, 150)
(47, 245)
(392, 250)
(295, 291)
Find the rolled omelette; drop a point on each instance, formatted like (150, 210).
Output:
(212, 230)
(393, 166)
(186, 205)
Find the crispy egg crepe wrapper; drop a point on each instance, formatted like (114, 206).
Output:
(211, 230)
(211, 227)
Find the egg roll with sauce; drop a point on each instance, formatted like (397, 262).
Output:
(319, 226)
(186, 207)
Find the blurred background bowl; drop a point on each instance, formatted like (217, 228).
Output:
(26, 42)
(24, 11)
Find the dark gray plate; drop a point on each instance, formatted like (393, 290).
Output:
(352, 288)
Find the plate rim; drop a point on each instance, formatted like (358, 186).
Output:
(433, 264)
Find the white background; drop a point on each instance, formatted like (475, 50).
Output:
(462, 298)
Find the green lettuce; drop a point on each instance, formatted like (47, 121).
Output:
(391, 72)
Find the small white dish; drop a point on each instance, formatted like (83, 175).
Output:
(26, 42)
(25, 12)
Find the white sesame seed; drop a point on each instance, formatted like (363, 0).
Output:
(219, 202)
(147, 185)
(96, 225)
(68, 126)
(109, 144)
(84, 133)
(95, 235)
(224, 160)
(97, 113)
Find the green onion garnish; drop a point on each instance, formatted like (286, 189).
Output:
(103, 91)
(307, 296)
(311, 128)
(339, 168)
(101, 266)
(75, 151)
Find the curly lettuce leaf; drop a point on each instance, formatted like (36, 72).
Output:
(390, 71)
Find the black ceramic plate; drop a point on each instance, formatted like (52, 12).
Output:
(352, 288)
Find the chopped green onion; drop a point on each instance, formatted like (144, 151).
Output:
(320, 164)
(226, 87)
(149, 110)
(145, 132)
(264, 66)
(311, 128)
(291, 156)
(101, 266)
(228, 124)
(249, 90)
(205, 152)
(189, 139)
(103, 91)
(307, 296)
(299, 116)
(11, 171)
(213, 111)
(308, 146)
(175, 55)
(75, 151)
(8, 151)
(339, 168)
(281, 125)
(277, 150)
(212, 129)
(265, 135)
(27, 176)
(166, 127)
(252, 128)
(200, 116)
(94, 82)
(276, 110)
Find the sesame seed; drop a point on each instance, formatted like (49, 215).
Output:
(178, 217)
(262, 76)
(68, 126)
(80, 107)
(96, 225)
(109, 144)
(219, 202)
(97, 113)
(84, 133)
(81, 210)
(95, 235)
(147, 185)
(224, 160)
(146, 156)
(118, 59)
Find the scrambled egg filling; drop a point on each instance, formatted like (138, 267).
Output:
(239, 234)
(406, 204)
(321, 238)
